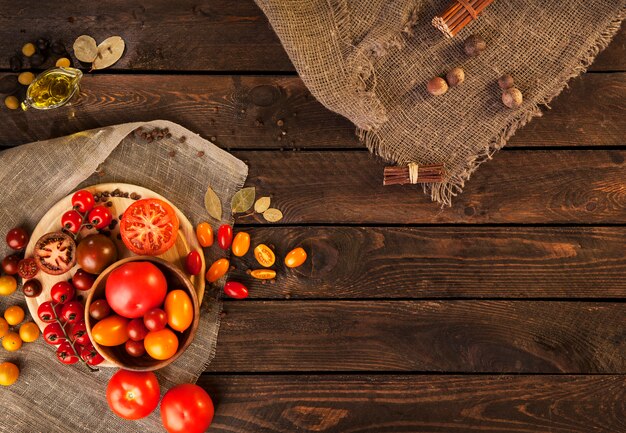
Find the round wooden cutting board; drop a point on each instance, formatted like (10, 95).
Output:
(51, 222)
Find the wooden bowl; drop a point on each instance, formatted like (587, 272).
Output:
(117, 355)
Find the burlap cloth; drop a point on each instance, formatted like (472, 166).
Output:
(370, 60)
(51, 397)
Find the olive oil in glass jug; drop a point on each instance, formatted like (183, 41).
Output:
(52, 88)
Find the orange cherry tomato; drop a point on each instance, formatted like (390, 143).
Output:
(264, 255)
(241, 244)
(263, 274)
(14, 315)
(29, 332)
(11, 342)
(111, 331)
(295, 257)
(4, 327)
(179, 310)
(217, 270)
(161, 344)
(204, 233)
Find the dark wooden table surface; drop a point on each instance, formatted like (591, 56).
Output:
(503, 313)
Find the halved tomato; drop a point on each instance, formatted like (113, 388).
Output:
(149, 227)
(55, 253)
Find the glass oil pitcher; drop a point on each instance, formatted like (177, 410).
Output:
(52, 88)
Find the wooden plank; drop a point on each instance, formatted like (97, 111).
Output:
(395, 403)
(246, 111)
(518, 187)
(442, 336)
(442, 262)
(216, 35)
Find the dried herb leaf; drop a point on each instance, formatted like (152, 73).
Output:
(85, 48)
(243, 200)
(109, 52)
(272, 215)
(213, 204)
(262, 204)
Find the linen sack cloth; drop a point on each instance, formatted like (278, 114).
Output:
(370, 60)
(52, 397)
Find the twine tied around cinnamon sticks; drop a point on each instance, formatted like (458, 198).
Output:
(413, 173)
(458, 14)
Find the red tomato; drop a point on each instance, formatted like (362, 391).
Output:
(137, 331)
(179, 310)
(83, 201)
(100, 217)
(149, 227)
(78, 333)
(235, 290)
(133, 394)
(53, 334)
(135, 288)
(193, 263)
(73, 311)
(186, 409)
(110, 331)
(66, 354)
(225, 236)
(83, 280)
(17, 238)
(161, 344)
(155, 319)
(90, 355)
(71, 221)
(48, 313)
(135, 348)
(62, 292)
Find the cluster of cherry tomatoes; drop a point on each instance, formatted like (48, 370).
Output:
(85, 213)
(239, 245)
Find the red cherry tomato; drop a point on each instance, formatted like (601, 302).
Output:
(133, 394)
(135, 288)
(90, 355)
(186, 409)
(62, 292)
(53, 334)
(27, 268)
(78, 333)
(100, 217)
(235, 290)
(225, 236)
(66, 354)
(73, 311)
(17, 238)
(71, 221)
(155, 319)
(149, 227)
(137, 331)
(99, 309)
(48, 313)
(9, 264)
(193, 263)
(83, 201)
(83, 280)
(135, 348)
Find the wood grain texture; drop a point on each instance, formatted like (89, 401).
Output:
(517, 187)
(278, 112)
(188, 35)
(441, 336)
(441, 262)
(417, 403)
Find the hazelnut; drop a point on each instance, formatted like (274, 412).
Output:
(506, 82)
(455, 76)
(437, 86)
(512, 97)
(474, 45)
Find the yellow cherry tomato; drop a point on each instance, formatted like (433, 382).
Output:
(12, 102)
(110, 331)
(263, 274)
(8, 373)
(63, 62)
(29, 332)
(204, 233)
(295, 257)
(217, 270)
(241, 244)
(8, 285)
(161, 344)
(4, 327)
(14, 315)
(25, 78)
(264, 255)
(29, 49)
(11, 342)
(179, 310)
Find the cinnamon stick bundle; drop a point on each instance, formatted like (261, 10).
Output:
(413, 173)
(458, 14)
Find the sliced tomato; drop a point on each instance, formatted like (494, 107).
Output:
(55, 253)
(149, 227)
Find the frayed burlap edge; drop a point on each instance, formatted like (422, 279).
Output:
(444, 192)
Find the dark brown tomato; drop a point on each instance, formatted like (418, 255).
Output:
(95, 253)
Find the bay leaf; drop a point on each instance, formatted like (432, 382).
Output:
(85, 48)
(272, 215)
(213, 204)
(243, 200)
(262, 204)
(109, 51)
